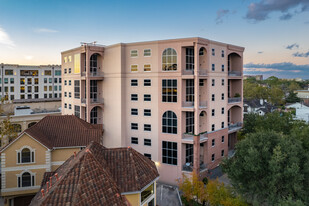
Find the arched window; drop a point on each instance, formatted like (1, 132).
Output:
(169, 60)
(94, 64)
(169, 122)
(94, 115)
(25, 155)
(26, 179)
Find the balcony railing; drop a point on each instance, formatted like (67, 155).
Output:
(235, 73)
(187, 104)
(93, 74)
(203, 104)
(203, 72)
(237, 125)
(188, 72)
(93, 101)
(234, 100)
(83, 101)
(189, 167)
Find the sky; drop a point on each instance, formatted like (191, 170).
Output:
(275, 33)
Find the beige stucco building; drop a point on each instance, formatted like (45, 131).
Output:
(155, 95)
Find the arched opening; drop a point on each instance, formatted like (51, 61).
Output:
(26, 179)
(203, 58)
(169, 60)
(234, 116)
(25, 155)
(234, 64)
(16, 128)
(31, 124)
(203, 121)
(95, 64)
(96, 115)
(169, 122)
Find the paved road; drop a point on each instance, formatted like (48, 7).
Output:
(167, 195)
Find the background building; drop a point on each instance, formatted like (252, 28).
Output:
(155, 95)
(30, 82)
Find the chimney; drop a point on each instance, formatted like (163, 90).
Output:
(47, 183)
(42, 191)
(50, 180)
(261, 101)
(56, 175)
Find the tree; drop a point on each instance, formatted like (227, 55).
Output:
(7, 131)
(269, 167)
(292, 98)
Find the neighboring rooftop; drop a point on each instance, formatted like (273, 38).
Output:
(64, 131)
(97, 176)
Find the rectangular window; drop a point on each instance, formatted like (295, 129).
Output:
(189, 90)
(29, 81)
(134, 97)
(50, 95)
(36, 89)
(22, 96)
(134, 140)
(149, 157)
(22, 80)
(213, 67)
(70, 106)
(147, 52)
(213, 112)
(213, 127)
(22, 89)
(222, 96)
(222, 125)
(6, 89)
(76, 89)
(76, 63)
(134, 126)
(8, 72)
(70, 82)
(55, 80)
(65, 94)
(222, 110)
(11, 89)
(77, 111)
(222, 153)
(133, 53)
(189, 122)
(189, 153)
(134, 68)
(65, 71)
(213, 142)
(147, 82)
(189, 59)
(222, 82)
(65, 82)
(12, 80)
(45, 96)
(70, 70)
(134, 82)
(12, 97)
(147, 97)
(47, 72)
(50, 80)
(147, 68)
(212, 82)
(50, 88)
(169, 90)
(201, 82)
(169, 152)
(147, 127)
(213, 97)
(70, 94)
(6, 80)
(45, 80)
(222, 139)
(134, 111)
(213, 157)
(55, 95)
(57, 72)
(222, 68)
(147, 112)
(213, 52)
(70, 58)
(147, 142)
(55, 88)
(36, 81)
(222, 53)
(65, 105)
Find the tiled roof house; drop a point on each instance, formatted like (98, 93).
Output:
(101, 176)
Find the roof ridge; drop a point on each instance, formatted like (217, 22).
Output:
(131, 156)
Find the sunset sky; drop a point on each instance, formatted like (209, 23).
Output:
(275, 33)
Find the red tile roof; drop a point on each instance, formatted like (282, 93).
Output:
(97, 176)
(65, 131)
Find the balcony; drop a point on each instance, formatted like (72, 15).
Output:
(235, 127)
(203, 72)
(93, 74)
(235, 73)
(187, 72)
(189, 138)
(234, 100)
(187, 104)
(203, 104)
(93, 101)
(188, 167)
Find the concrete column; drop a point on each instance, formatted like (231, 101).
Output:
(88, 83)
(48, 160)
(196, 154)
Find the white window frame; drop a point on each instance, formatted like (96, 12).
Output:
(136, 68)
(132, 51)
(19, 152)
(150, 52)
(19, 176)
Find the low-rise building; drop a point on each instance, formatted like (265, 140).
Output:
(258, 106)
(101, 176)
(301, 111)
(39, 149)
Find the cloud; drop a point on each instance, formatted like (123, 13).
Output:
(260, 52)
(259, 11)
(221, 13)
(290, 47)
(44, 30)
(301, 54)
(5, 38)
(283, 70)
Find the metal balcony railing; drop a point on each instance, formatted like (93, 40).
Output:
(189, 167)
(234, 100)
(97, 100)
(235, 73)
(188, 72)
(187, 104)
(203, 72)
(203, 104)
(93, 74)
(235, 126)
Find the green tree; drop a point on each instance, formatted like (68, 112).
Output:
(7, 131)
(269, 167)
(292, 98)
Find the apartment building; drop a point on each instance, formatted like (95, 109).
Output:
(179, 102)
(30, 82)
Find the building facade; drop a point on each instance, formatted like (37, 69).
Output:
(30, 82)
(178, 102)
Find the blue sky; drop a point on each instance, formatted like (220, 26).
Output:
(275, 33)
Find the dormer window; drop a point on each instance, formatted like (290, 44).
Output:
(25, 155)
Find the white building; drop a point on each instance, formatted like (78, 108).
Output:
(302, 111)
